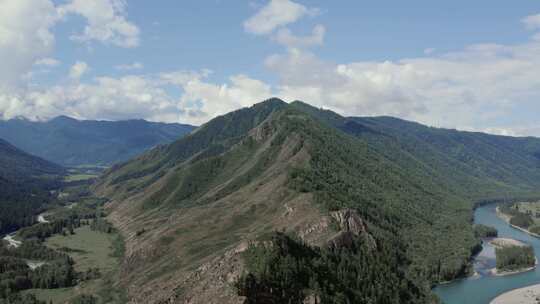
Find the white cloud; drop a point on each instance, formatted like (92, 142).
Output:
(47, 62)
(25, 36)
(130, 67)
(106, 22)
(532, 22)
(285, 37)
(138, 96)
(275, 14)
(77, 70)
(474, 88)
(214, 99)
(182, 78)
(103, 98)
(27, 27)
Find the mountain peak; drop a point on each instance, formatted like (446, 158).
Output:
(272, 102)
(63, 118)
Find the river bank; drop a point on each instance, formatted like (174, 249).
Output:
(10, 238)
(525, 295)
(495, 272)
(506, 218)
(508, 242)
(485, 287)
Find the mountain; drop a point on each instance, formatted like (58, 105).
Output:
(25, 181)
(287, 201)
(72, 142)
(477, 165)
(19, 166)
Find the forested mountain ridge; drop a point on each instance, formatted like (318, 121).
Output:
(481, 165)
(25, 181)
(18, 166)
(72, 142)
(189, 209)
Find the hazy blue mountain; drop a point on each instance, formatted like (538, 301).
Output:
(72, 142)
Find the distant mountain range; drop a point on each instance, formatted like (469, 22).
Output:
(72, 142)
(383, 207)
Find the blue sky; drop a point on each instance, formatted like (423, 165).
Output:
(209, 34)
(458, 64)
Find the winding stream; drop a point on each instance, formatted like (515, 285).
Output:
(481, 289)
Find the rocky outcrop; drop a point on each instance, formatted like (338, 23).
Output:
(349, 221)
(351, 226)
(312, 299)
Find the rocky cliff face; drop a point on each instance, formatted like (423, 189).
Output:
(351, 226)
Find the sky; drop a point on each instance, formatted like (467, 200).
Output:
(470, 65)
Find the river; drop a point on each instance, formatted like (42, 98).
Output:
(481, 289)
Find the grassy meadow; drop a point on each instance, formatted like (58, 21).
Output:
(89, 249)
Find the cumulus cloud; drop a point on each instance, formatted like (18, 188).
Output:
(25, 26)
(532, 22)
(473, 88)
(106, 22)
(204, 99)
(78, 69)
(140, 96)
(285, 37)
(275, 14)
(273, 18)
(129, 67)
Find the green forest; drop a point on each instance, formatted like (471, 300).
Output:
(286, 270)
(483, 231)
(26, 183)
(513, 258)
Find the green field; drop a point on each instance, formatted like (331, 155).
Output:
(89, 249)
(79, 177)
(64, 295)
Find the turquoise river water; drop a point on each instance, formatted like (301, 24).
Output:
(481, 289)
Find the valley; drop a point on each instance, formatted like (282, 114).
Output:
(94, 253)
(269, 152)
(94, 250)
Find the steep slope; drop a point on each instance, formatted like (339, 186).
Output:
(188, 207)
(19, 166)
(71, 142)
(24, 183)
